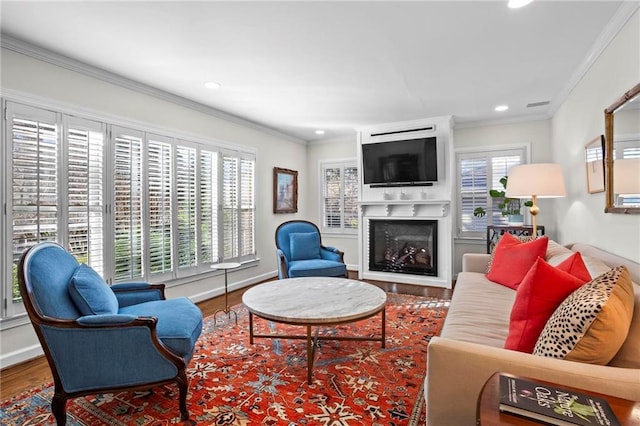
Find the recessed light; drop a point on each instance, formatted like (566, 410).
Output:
(515, 4)
(319, 132)
(212, 85)
(501, 108)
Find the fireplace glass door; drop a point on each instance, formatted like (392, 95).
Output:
(403, 246)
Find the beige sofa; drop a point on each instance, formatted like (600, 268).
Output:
(470, 347)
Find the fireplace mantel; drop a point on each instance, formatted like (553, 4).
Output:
(410, 203)
(411, 208)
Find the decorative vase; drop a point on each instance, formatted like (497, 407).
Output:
(516, 219)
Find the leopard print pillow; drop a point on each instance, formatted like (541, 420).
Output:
(592, 323)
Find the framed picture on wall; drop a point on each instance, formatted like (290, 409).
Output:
(285, 191)
(594, 159)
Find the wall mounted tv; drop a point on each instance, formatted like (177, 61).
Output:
(400, 163)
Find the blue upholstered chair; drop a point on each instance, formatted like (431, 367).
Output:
(99, 338)
(301, 253)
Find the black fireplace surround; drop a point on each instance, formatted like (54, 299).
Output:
(403, 246)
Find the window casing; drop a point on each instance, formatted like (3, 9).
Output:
(339, 197)
(134, 205)
(477, 173)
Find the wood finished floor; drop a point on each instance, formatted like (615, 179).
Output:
(29, 374)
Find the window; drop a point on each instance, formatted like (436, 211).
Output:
(478, 172)
(133, 204)
(340, 197)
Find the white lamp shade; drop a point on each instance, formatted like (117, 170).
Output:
(626, 176)
(544, 180)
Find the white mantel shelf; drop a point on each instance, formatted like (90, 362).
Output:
(426, 207)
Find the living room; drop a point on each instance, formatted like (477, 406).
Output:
(35, 76)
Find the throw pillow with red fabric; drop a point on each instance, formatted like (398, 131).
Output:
(542, 290)
(513, 259)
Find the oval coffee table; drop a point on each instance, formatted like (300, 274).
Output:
(315, 302)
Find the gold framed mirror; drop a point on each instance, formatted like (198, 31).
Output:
(622, 154)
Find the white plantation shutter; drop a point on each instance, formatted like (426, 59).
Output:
(350, 217)
(340, 197)
(159, 204)
(473, 191)
(230, 225)
(238, 205)
(85, 191)
(209, 206)
(247, 207)
(332, 217)
(478, 172)
(35, 184)
(131, 204)
(186, 197)
(127, 205)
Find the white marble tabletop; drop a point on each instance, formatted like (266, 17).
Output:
(314, 300)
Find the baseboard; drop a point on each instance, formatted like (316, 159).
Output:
(22, 355)
(215, 292)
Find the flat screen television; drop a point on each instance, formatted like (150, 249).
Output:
(400, 163)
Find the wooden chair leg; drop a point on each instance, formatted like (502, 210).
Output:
(58, 408)
(183, 388)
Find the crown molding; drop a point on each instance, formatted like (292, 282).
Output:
(461, 124)
(57, 59)
(623, 14)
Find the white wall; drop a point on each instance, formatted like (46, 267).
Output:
(580, 118)
(535, 134)
(331, 149)
(35, 78)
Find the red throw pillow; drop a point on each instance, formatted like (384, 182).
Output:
(542, 290)
(513, 259)
(575, 266)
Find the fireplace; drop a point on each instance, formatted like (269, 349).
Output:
(403, 246)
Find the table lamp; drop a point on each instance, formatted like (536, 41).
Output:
(540, 180)
(626, 177)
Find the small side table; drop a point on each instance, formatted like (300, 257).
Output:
(227, 310)
(488, 413)
(494, 232)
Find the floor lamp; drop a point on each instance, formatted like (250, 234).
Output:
(539, 180)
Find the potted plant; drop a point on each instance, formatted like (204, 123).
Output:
(509, 207)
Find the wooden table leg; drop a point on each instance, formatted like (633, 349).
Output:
(250, 328)
(310, 355)
(384, 326)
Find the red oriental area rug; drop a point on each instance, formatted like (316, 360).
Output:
(235, 383)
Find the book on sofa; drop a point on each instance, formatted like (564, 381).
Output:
(552, 404)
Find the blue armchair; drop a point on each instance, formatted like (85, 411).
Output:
(301, 253)
(99, 338)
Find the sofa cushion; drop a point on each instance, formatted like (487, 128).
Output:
(316, 268)
(91, 294)
(179, 322)
(479, 311)
(593, 322)
(304, 245)
(538, 295)
(513, 259)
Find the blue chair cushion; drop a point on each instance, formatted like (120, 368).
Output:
(316, 268)
(179, 322)
(304, 245)
(91, 294)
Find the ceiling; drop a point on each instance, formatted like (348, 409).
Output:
(300, 66)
